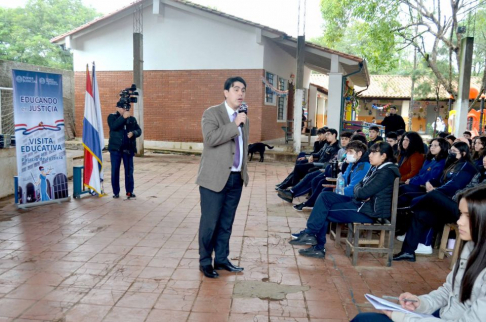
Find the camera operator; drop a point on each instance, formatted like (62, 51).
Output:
(124, 130)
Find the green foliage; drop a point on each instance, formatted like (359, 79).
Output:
(364, 28)
(25, 33)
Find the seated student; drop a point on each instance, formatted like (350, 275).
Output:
(443, 134)
(411, 156)
(345, 137)
(371, 200)
(304, 186)
(374, 136)
(435, 208)
(316, 161)
(358, 161)
(462, 298)
(392, 139)
(318, 182)
(479, 149)
(467, 135)
(432, 168)
(318, 144)
(400, 134)
(302, 159)
(451, 139)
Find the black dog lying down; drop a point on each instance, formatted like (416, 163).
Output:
(258, 147)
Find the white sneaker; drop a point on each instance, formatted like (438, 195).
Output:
(401, 238)
(422, 249)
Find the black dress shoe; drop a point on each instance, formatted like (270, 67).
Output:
(208, 271)
(304, 239)
(228, 267)
(402, 256)
(286, 195)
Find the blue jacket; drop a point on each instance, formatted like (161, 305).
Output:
(455, 179)
(430, 170)
(355, 172)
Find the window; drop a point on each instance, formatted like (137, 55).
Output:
(282, 101)
(269, 95)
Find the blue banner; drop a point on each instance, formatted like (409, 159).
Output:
(39, 135)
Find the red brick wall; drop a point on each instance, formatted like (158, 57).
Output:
(175, 100)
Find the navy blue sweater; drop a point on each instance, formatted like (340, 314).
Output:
(430, 170)
(455, 179)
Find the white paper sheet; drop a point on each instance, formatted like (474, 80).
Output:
(381, 304)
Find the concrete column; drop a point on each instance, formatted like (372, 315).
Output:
(138, 80)
(334, 116)
(298, 98)
(312, 113)
(406, 111)
(462, 102)
(335, 95)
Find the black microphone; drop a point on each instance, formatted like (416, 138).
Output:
(243, 109)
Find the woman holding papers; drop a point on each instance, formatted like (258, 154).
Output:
(462, 298)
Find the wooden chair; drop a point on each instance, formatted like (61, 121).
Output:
(443, 250)
(354, 242)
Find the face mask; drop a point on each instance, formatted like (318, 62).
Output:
(452, 156)
(351, 158)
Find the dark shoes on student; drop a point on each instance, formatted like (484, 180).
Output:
(299, 207)
(304, 239)
(131, 195)
(402, 256)
(116, 196)
(286, 195)
(313, 251)
(228, 267)
(208, 271)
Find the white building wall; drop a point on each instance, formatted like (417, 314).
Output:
(277, 61)
(179, 40)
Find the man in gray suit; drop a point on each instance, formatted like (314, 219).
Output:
(222, 173)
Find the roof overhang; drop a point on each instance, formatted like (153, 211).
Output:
(319, 58)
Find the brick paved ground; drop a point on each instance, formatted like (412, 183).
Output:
(100, 259)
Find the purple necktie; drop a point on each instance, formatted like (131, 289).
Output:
(236, 161)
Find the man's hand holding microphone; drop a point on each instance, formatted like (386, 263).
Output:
(241, 117)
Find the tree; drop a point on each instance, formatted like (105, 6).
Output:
(25, 33)
(429, 26)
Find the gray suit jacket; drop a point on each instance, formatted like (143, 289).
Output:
(219, 148)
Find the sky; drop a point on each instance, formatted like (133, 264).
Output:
(278, 14)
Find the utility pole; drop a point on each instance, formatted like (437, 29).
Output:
(138, 72)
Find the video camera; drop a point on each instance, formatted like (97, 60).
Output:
(126, 97)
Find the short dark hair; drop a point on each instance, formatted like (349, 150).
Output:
(321, 131)
(450, 137)
(357, 146)
(384, 148)
(231, 81)
(346, 134)
(443, 134)
(393, 107)
(392, 135)
(333, 131)
(41, 168)
(400, 132)
(467, 132)
(359, 137)
(375, 128)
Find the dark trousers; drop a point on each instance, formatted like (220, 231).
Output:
(407, 192)
(317, 188)
(379, 317)
(300, 170)
(331, 207)
(116, 159)
(305, 185)
(432, 211)
(218, 211)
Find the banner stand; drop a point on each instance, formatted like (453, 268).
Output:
(37, 204)
(40, 139)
